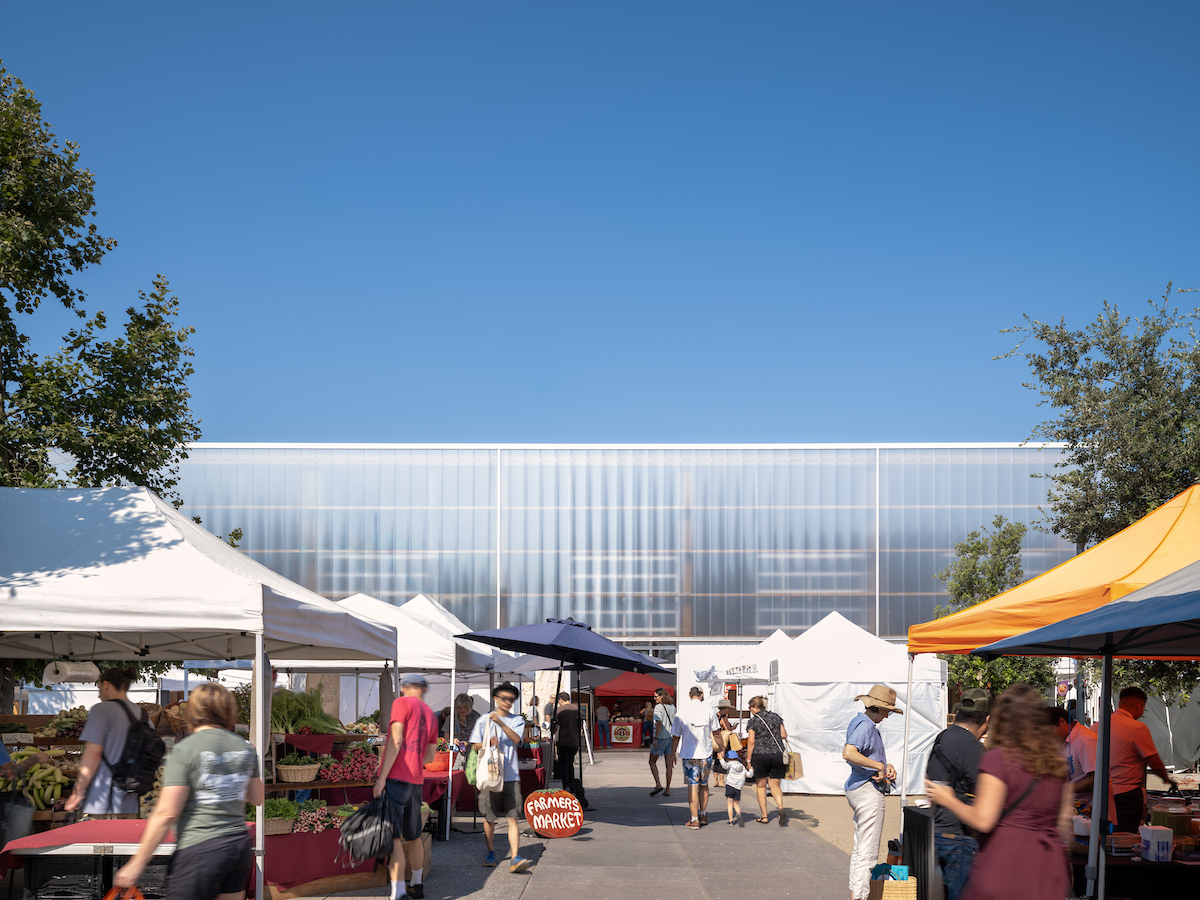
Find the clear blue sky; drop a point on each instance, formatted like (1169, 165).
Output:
(617, 222)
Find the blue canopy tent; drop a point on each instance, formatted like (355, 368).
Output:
(1159, 621)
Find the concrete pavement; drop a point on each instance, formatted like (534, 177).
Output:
(636, 845)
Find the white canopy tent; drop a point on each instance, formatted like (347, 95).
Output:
(821, 673)
(116, 573)
(426, 641)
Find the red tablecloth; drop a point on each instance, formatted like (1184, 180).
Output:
(290, 858)
(436, 782)
(313, 743)
(468, 799)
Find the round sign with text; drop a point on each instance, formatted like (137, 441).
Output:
(553, 814)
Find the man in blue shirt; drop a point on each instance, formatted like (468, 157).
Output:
(871, 776)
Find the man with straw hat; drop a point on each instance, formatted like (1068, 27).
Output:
(871, 777)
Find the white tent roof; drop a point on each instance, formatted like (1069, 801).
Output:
(116, 573)
(835, 649)
(433, 615)
(419, 644)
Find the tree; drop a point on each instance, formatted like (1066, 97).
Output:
(115, 410)
(1126, 397)
(986, 564)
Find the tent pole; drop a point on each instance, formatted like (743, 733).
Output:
(1100, 788)
(258, 697)
(450, 734)
(562, 776)
(904, 759)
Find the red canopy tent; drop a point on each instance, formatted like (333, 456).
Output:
(631, 684)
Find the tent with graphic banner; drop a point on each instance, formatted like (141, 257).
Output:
(1151, 548)
(821, 673)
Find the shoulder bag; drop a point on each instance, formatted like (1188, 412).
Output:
(795, 765)
(489, 775)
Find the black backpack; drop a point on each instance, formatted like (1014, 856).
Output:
(366, 834)
(134, 770)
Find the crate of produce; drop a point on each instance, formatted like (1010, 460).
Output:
(64, 878)
(153, 883)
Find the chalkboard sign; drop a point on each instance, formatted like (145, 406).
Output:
(553, 814)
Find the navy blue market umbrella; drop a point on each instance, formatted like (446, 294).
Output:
(572, 644)
(568, 641)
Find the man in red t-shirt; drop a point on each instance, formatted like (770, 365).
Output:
(411, 742)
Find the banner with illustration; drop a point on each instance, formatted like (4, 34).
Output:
(622, 733)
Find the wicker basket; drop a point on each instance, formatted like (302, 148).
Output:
(893, 890)
(278, 826)
(298, 773)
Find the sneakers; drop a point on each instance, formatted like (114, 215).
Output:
(490, 859)
(519, 864)
(416, 891)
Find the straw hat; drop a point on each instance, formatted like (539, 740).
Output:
(883, 697)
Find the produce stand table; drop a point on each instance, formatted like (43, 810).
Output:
(1136, 879)
(292, 860)
(466, 798)
(635, 741)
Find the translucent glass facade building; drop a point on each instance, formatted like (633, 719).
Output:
(643, 542)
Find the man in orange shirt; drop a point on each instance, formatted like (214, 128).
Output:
(1131, 751)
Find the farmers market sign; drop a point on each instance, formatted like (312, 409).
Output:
(554, 814)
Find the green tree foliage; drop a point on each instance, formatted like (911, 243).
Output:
(116, 409)
(988, 563)
(1125, 392)
(1126, 398)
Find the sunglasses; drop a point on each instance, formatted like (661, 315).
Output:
(507, 698)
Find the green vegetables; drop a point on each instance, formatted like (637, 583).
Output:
(312, 805)
(297, 759)
(274, 808)
(291, 711)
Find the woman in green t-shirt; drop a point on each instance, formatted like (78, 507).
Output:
(209, 778)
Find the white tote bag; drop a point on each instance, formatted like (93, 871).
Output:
(489, 776)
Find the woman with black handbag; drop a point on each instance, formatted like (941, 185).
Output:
(767, 748)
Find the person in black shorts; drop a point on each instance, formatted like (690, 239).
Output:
(768, 750)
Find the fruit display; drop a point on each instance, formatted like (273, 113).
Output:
(359, 764)
(67, 724)
(41, 783)
(148, 799)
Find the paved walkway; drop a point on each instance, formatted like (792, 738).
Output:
(636, 845)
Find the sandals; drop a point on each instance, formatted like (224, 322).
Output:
(693, 824)
(657, 790)
(783, 817)
(762, 820)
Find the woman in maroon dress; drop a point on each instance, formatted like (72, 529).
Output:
(1023, 804)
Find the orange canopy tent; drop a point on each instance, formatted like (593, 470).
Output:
(1156, 545)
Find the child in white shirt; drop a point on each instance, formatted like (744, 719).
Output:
(735, 780)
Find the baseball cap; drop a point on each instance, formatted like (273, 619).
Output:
(976, 700)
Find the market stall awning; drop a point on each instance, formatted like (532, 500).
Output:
(421, 645)
(632, 684)
(1162, 620)
(117, 573)
(1155, 546)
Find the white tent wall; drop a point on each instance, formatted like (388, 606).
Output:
(816, 716)
(693, 658)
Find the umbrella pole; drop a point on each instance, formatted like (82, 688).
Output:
(1100, 789)
(904, 759)
(562, 776)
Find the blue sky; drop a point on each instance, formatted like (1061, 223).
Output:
(624, 222)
